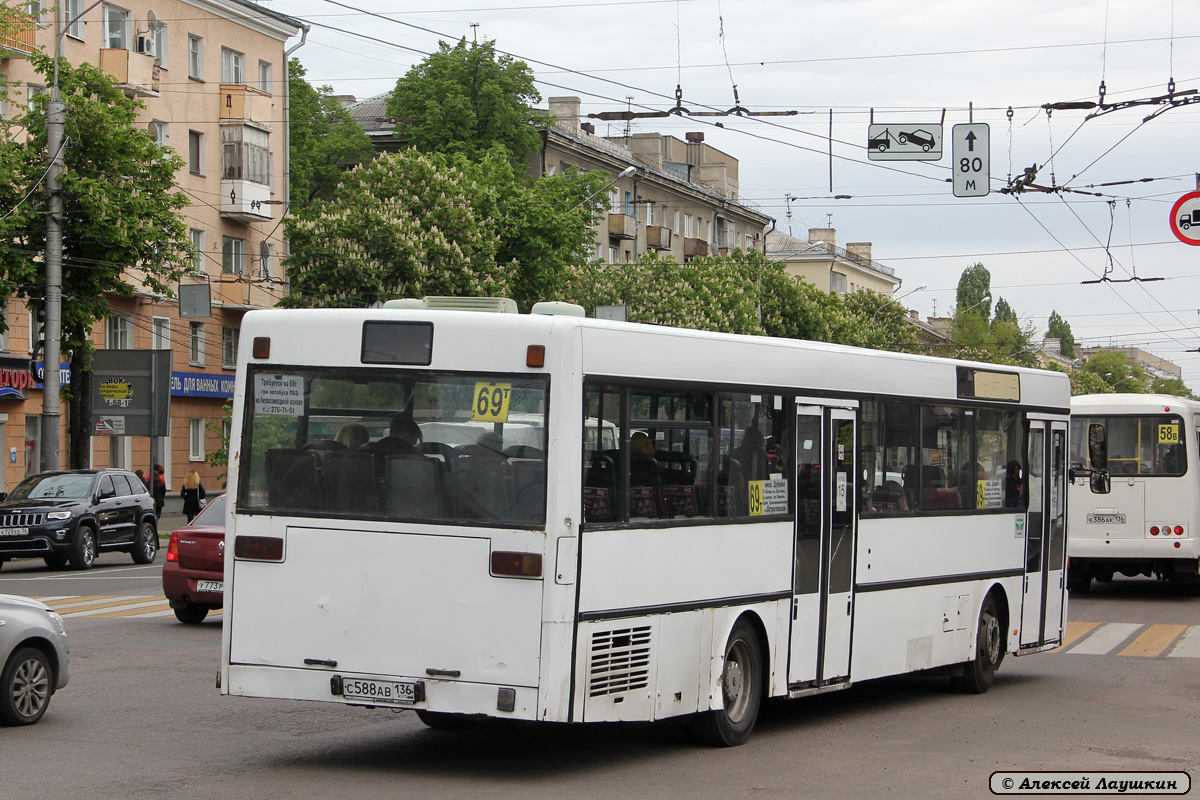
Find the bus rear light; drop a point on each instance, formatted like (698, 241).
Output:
(1179, 530)
(535, 355)
(262, 347)
(173, 548)
(259, 548)
(1154, 530)
(517, 565)
(1177, 544)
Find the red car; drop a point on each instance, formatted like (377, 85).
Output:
(194, 572)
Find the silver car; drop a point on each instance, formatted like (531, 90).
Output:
(33, 650)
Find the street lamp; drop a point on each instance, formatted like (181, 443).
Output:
(896, 299)
(625, 173)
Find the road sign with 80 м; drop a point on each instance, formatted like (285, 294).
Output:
(971, 151)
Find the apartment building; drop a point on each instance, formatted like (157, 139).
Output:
(834, 269)
(213, 77)
(681, 201)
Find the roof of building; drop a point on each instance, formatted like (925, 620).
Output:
(783, 247)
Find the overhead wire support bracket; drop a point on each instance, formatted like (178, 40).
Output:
(680, 110)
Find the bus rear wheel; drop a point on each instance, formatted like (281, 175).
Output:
(989, 650)
(741, 692)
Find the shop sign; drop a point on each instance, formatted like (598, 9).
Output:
(15, 378)
(201, 384)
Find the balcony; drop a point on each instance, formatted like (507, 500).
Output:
(658, 237)
(136, 74)
(694, 247)
(20, 40)
(245, 201)
(622, 226)
(242, 102)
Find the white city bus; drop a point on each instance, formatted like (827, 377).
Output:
(704, 520)
(1149, 521)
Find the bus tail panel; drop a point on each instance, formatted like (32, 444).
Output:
(436, 615)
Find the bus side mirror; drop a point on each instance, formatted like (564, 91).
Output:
(1101, 481)
(1097, 446)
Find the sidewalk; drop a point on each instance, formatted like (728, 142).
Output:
(172, 517)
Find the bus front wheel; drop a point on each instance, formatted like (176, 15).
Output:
(741, 692)
(989, 650)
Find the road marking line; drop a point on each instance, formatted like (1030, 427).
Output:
(97, 601)
(1155, 640)
(1075, 631)
(1189, 645)
(115, 608)
(1105, 638)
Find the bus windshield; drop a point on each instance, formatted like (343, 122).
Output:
(1151, 444)
(395, 444)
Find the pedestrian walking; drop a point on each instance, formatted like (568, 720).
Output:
(192, 494)
(159, 491)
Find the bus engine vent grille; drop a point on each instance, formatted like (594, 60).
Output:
(620, 661)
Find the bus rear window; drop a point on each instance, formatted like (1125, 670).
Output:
(1137, 445)
(397, 343)
(439, 447)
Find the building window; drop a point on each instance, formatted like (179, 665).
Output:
(246, 154)
(32, 90)
(264, 76)
(161, 132)
(229, 346)
(74, 24)
(4, 321)
(162, 333)
(195, 57)
(38, 9)
(265, 257)
(196, 152)
(118, 333)
(195, 440)
(837, 283)
(689, 230)
(159, 31)
(116, 28)
(35, 329)
(676, 228)
(197, 250)
(196, 344)
(233, 66)
(233, 255)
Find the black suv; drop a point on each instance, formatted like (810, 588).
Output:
(72, 515)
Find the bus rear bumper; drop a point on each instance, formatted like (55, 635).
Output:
(327, 685)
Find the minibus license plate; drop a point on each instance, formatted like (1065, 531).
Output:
(382, 692)
(1106, 519)
(210, 586)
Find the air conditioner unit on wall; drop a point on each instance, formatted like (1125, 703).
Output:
(144, 44)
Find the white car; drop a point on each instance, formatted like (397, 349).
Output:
(33, 650)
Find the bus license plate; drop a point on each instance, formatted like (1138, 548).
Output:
(382, 692)
(1106, 519)
(14, 531)
(210, 586)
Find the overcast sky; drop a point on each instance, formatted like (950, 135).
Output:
(909, 63)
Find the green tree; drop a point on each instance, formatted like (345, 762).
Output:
(123, 230)
(1112, 367)
(403, 225)
(1005, 313)
(1059, 328)
(466, 100)
(542, 226)
(1173, 386)
(974, 293)
(325, 140)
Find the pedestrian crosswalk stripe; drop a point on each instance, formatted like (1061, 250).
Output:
(1105, 638)
(113, 606)
(1189, 644)
(1155, 640)
(1132, 639)
(1076, 631)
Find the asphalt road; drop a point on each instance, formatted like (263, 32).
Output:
(142, 719)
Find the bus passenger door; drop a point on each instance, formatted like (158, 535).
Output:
(1045, 535)
(822, 605)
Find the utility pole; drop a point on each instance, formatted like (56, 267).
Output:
(56, 121)
(56, 124)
